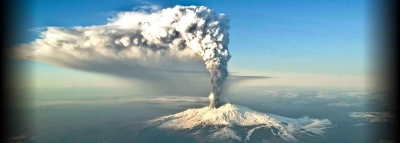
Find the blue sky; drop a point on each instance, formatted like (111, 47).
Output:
(305, 37)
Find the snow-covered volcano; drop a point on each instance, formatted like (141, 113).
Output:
(233, 122)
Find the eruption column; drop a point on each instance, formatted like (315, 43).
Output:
(219, 73)
(142, 38)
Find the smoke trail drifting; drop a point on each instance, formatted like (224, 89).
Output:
(143, 38)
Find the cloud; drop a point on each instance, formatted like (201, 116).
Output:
(277, 93)
(346, 104)
(374, 116)
(165, 101)
(19, 139)
(325, 95)
(307, 80)
(241, 78)
(355, 94)
(148, 43)
(387, 141)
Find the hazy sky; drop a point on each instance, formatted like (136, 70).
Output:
(318, 39)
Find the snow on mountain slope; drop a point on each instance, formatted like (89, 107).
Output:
(229, 115)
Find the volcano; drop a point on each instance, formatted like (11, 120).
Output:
(239, 124)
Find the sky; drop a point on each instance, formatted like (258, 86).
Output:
(303, 39)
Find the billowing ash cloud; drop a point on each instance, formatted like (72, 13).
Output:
(163, 40)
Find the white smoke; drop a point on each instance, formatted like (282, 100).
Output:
(150, 41)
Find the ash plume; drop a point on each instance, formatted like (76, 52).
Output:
(166, 39)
